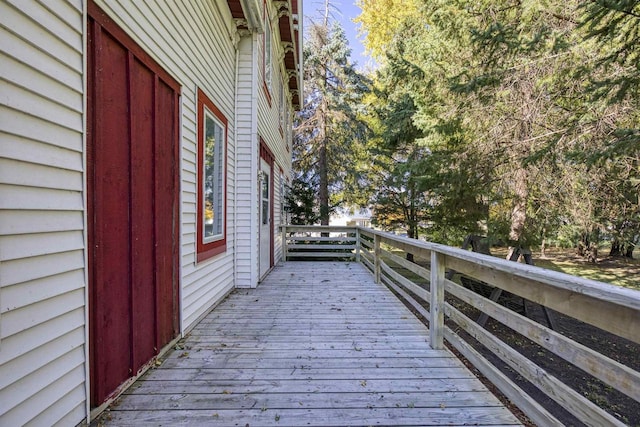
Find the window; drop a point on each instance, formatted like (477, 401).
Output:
(288, 127)
(268, 76)
(281, 108)
(265, 198)
(212, 182)
(282, 198)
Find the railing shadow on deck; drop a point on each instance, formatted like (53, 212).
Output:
(607, 307)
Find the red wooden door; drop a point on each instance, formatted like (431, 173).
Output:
(132, 191)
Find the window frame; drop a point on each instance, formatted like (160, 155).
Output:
(267, 55)
(281, 108)
(282, 198)
(210, 247)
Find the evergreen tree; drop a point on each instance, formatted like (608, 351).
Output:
(300, 202)
(528, 113)
(329, 132)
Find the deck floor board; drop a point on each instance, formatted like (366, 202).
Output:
(316, 344)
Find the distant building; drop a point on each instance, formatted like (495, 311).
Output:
(355, 217)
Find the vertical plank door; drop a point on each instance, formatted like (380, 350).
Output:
(132, 192)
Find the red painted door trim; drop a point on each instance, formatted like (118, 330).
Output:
(267, 155)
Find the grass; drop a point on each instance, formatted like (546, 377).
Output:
(616, 271)
(623, 272)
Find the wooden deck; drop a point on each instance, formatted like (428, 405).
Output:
(316, 344)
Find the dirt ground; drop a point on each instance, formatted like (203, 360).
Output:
(618, 271)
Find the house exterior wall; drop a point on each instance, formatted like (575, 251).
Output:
(42, 271)
(247, 163)
(43, 234)
(175, 35)
(269, 111)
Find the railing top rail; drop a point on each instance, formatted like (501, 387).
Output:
(336, 228)
(615, 294)
(612, 293)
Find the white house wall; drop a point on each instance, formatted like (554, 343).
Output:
(258, 118)
(247, 143)
(268, 123)
(192, 41)
(43, 275)
(42, 262)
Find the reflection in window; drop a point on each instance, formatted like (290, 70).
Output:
(265, 212)
(265, 186)
(213, 181)
(265, 199)
(267, 52)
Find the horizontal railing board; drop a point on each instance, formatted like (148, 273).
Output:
(413, 267)
(611, 293)
(324, 247)
(320, 229)
(414, 303)
(600, 366)
(320, 254)
(582, 408)
(368, 263)
(321, 239)
(604, 313)
(538, 414)
(406, 283)
(366, 243)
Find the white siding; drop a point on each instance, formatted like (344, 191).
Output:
(278, 218)
(192, 41)
(42, 279)
(269, 130)
(42, 205)
(247, 203)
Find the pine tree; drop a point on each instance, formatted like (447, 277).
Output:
(329, 132)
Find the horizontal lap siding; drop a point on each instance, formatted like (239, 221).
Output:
(192, 42)
(269, 130)
(42, 284)
(278, 220)
(247, 152)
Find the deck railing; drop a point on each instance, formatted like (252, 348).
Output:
(424, 285)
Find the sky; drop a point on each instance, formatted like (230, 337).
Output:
(343, 11)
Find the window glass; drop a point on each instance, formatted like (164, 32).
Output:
(281, 107)
(265, 199)
(213, 178)
(267, 53)
(265, 187)
(211, 237)
(282, 201)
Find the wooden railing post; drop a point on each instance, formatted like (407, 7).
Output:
(357, 244)
(436, 309)
(284, 243)
(376, 257)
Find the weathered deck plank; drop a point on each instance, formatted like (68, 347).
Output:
(318, 343)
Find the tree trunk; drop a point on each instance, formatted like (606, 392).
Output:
(629, 250)
(412, 221)
(411, 233)
(323, 190)
(583, 244)
(616, 250)
(519, 211)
